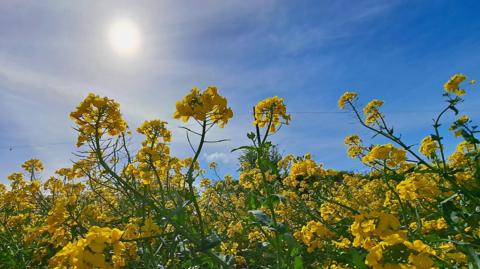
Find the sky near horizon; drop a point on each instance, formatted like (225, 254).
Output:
(53, 53)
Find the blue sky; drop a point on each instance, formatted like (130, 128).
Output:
(52, 53)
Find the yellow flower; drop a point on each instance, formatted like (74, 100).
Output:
(375, 224)
(387, 154)
(91, 251)
(354, 143)
(33, 165)
(462, 119)
(229, 248)
(116, 234)
(428, 146)
(418, 186)
(420, 247)
(96, 116)
(372, 112)
(150, 228)
(452, 85)
(154, 130)
(205, 183)
(460, 122)
(343, 243)
(374, 256)
(270, 111)
(205, 106)
(302, 172)
(234, 228)
(313, 235)
(346, 97)
(213, 165)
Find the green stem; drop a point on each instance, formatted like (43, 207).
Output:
(190, 179)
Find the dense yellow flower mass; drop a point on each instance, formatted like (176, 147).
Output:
(91, 251)
(271, 112)
(202, 106)
(314, 235)
(302, 173)
(130, 203)
(417, 187)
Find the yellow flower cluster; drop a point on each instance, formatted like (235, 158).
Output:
(302, 173)
(252, 179)
(372, 112)
(387, 154)
(452, 85)
(460, 157)
(96, 116)
(313, 235)
(347, 97)
(93, 251)
(234, 228)
(152, 158)
(429, 226)
(458, 124)
(154, 130)
(33, 165)
(208, 105)
(154, 146)
(271, 112)
(354, 143)
(428, 146)
(396, 252)
(149, 228)
(375, 224)
(418, 187)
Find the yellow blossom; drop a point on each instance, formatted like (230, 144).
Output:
(372, 112)
(428, 146)
(205, 106)
(346, 97)
(270, 112)
(387, 154)
(452, 85)
(33, 165)
(96, 116)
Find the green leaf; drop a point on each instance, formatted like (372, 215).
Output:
(469, 138)
(280, 228)
(290, 240)
(260, 216)
(243, 147)
(452, 107)
(274, 199)
(252, 201)
(358, 259)
(298, 263)
(211, 241)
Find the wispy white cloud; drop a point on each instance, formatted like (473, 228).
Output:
(220, 157)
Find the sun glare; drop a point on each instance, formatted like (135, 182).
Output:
(124, 37)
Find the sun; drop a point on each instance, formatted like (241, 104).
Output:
(124, 37)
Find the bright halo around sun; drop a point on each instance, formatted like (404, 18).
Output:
(124, 37)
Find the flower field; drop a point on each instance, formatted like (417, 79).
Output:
(417, 207)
